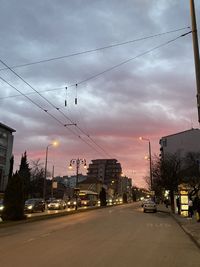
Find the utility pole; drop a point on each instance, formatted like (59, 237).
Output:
(196, 53)
(150, 160)
(150, 165)
(52, 182)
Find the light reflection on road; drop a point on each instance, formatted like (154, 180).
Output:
(31, 215)
(48, 212)
(35, 214)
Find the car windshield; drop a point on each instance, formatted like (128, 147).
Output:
(30, 201)
(150, 201)
(56, 201)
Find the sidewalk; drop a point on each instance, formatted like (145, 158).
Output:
(190, 226)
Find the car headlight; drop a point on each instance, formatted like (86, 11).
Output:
(48, 205)
(30, 207)
(1, 208)
(68, 203)
(57, 205)
(85, 203)
(74, 202)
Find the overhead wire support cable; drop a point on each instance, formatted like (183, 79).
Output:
(109, 69)
(32, 101)
(95, 49)
(131, 59)
(32, 93)
(52, 116)
(49, 102)
(94, 76)
(28, 84)
(65, 125)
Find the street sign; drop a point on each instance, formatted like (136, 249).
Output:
(54, 185)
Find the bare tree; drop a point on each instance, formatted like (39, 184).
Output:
(37, 178)
(191, 172)
(167, 173)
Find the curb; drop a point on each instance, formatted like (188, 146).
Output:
(184, 228)
(188, 232)
(164, 211)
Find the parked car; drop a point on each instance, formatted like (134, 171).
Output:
(145, 200)
(34, 204)
(149, 206)
(57, 204)
(50, 200)
(1, 206)
(109, 201)
(117, 200)
(71, 203)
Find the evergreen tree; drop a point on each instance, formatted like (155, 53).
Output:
(14, 199)
(11, 168)
(25, 174)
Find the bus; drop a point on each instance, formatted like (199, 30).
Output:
(88, 198)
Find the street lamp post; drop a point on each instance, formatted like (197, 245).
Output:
(196, 52)
(150, 163)
(45, 168)
(77, 162)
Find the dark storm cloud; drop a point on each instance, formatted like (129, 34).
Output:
(152, 95)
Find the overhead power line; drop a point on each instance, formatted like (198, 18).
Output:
(47, 112)
(108, 69)
(94, 50)
(131, 59)
(91, 77)
(51, 104)
(32, 101)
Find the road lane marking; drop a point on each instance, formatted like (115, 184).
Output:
(33, 239)
(45, 235)
(29, 240)
(158, 225)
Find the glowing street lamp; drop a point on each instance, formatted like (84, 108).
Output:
(77, 162)
(54, 143)
(149, 158)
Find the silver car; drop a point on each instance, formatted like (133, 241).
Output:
(149, 206)
(57, 204)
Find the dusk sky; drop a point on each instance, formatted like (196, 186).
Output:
(144, 87)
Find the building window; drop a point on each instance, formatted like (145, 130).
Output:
(163, 142)
(2, 151)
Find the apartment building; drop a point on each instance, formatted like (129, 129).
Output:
(104, 170)
(6, 146)
(182, 142)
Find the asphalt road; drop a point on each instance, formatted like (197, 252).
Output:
(120, 236)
